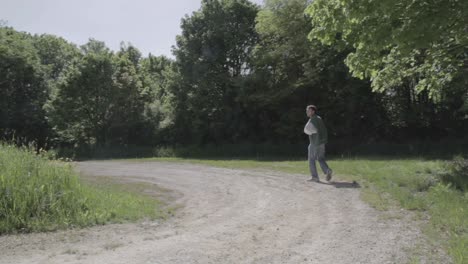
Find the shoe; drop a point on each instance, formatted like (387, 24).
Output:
(329, 174)
(314, 179)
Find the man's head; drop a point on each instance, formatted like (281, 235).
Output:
(310, 110)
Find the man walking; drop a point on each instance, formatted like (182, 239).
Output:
(318, 137)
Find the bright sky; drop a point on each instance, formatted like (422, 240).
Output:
(150, 25)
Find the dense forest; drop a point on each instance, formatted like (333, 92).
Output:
(379, 71)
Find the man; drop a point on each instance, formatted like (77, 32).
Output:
(318, 137)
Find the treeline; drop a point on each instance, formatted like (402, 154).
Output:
(57, 94)
(387, 71)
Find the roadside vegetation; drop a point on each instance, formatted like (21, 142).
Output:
(37, 194)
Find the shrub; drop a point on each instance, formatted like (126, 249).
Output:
(456, 173)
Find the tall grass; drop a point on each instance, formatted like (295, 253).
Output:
(40, 195)
(457, 173)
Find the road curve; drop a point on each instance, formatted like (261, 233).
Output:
(228, 216)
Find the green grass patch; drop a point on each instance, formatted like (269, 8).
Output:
(412, 184)
(41, 195)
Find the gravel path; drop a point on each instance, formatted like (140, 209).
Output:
(228, 216)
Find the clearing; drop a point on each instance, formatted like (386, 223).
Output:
(229, 216)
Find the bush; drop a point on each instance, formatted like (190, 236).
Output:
(457, 173)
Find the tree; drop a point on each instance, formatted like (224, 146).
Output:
(420, 43)
(126, 111)
(55, 55)
(159, 76)
(105, 99)
(212, 57)
(82, 108)
(291, 72)
(415, 53)
(23, 89)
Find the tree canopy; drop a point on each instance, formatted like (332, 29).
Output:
(423, 43)
(213, 55)
(242, 73)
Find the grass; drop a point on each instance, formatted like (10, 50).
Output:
(412, 184)
(444, 148)
(41, 195)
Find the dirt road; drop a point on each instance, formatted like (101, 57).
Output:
(228, 216)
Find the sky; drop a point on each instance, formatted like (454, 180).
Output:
(150, 25)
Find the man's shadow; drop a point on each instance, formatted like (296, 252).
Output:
(342, 184)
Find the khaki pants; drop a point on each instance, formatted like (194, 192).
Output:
(317, 153)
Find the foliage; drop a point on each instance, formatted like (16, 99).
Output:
(457, 173)
(104, 98)
(22, 83)
(242, 75)
(397, 42)
(159, 76)
(55, 54)
(83, 106)
(293, 72)
(41, 195)
(213, 57)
